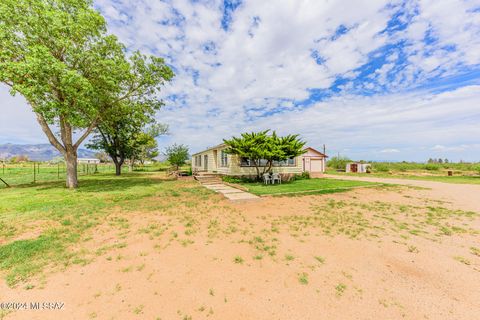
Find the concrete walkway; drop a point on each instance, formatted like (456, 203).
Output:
(231, 193)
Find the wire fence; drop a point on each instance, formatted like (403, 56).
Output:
(35, 172)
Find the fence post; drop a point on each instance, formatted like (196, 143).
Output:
(34, 173)
(58, 171)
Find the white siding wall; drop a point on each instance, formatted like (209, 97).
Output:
(234, 168)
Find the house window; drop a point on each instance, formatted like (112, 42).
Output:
(198, 161)
(246, 162)
(224, 159)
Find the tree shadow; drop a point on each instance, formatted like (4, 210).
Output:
(117, 184)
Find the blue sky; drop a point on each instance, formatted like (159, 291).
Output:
(386, 80)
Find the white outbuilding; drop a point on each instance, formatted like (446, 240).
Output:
(88, 160)
(357, 167)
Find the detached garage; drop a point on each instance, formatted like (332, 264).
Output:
(314, 161)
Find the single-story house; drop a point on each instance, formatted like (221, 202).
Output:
(216, 161)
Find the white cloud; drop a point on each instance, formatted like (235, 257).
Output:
(458, 148)
(389, 151)
(252, 74)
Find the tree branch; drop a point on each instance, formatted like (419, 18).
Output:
(51, 137)
(86, 133)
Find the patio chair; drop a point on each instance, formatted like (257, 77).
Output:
(276, 177)
(266, 178)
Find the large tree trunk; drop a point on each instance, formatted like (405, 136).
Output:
(118, 169)
(259, 177)
(68, 148)
(118, 165)
(71, 161)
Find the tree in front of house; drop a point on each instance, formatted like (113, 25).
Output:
(177, 155)
(58, 55)
(263, 149)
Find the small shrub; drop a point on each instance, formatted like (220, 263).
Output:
(380, 167)
(238, 260)
(289, 257)
(245, 179)
(432, 167)
(305, 175)
(338, 163)
(340, 288)
(303, 278)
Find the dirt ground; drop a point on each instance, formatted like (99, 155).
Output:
(374, 253)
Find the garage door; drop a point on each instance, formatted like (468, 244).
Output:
(316, 165)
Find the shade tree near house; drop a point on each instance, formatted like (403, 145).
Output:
(129, 136)
(177, 155)
(58, 56)
(263, 148)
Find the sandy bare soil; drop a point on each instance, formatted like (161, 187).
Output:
(395, 253)
(465, 196)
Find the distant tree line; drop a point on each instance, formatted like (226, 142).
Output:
(439, 160)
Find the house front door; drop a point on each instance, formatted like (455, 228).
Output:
(205, 162)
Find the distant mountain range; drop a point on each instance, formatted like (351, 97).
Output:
(37, 152)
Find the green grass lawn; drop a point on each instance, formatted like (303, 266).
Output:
(41, 223)
(24, 173)
(322, 185)
(413, 176)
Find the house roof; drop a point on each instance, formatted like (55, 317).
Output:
(221, 145)
(316, 151)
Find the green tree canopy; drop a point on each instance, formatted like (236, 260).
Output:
(263, 148)
(177, 155)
